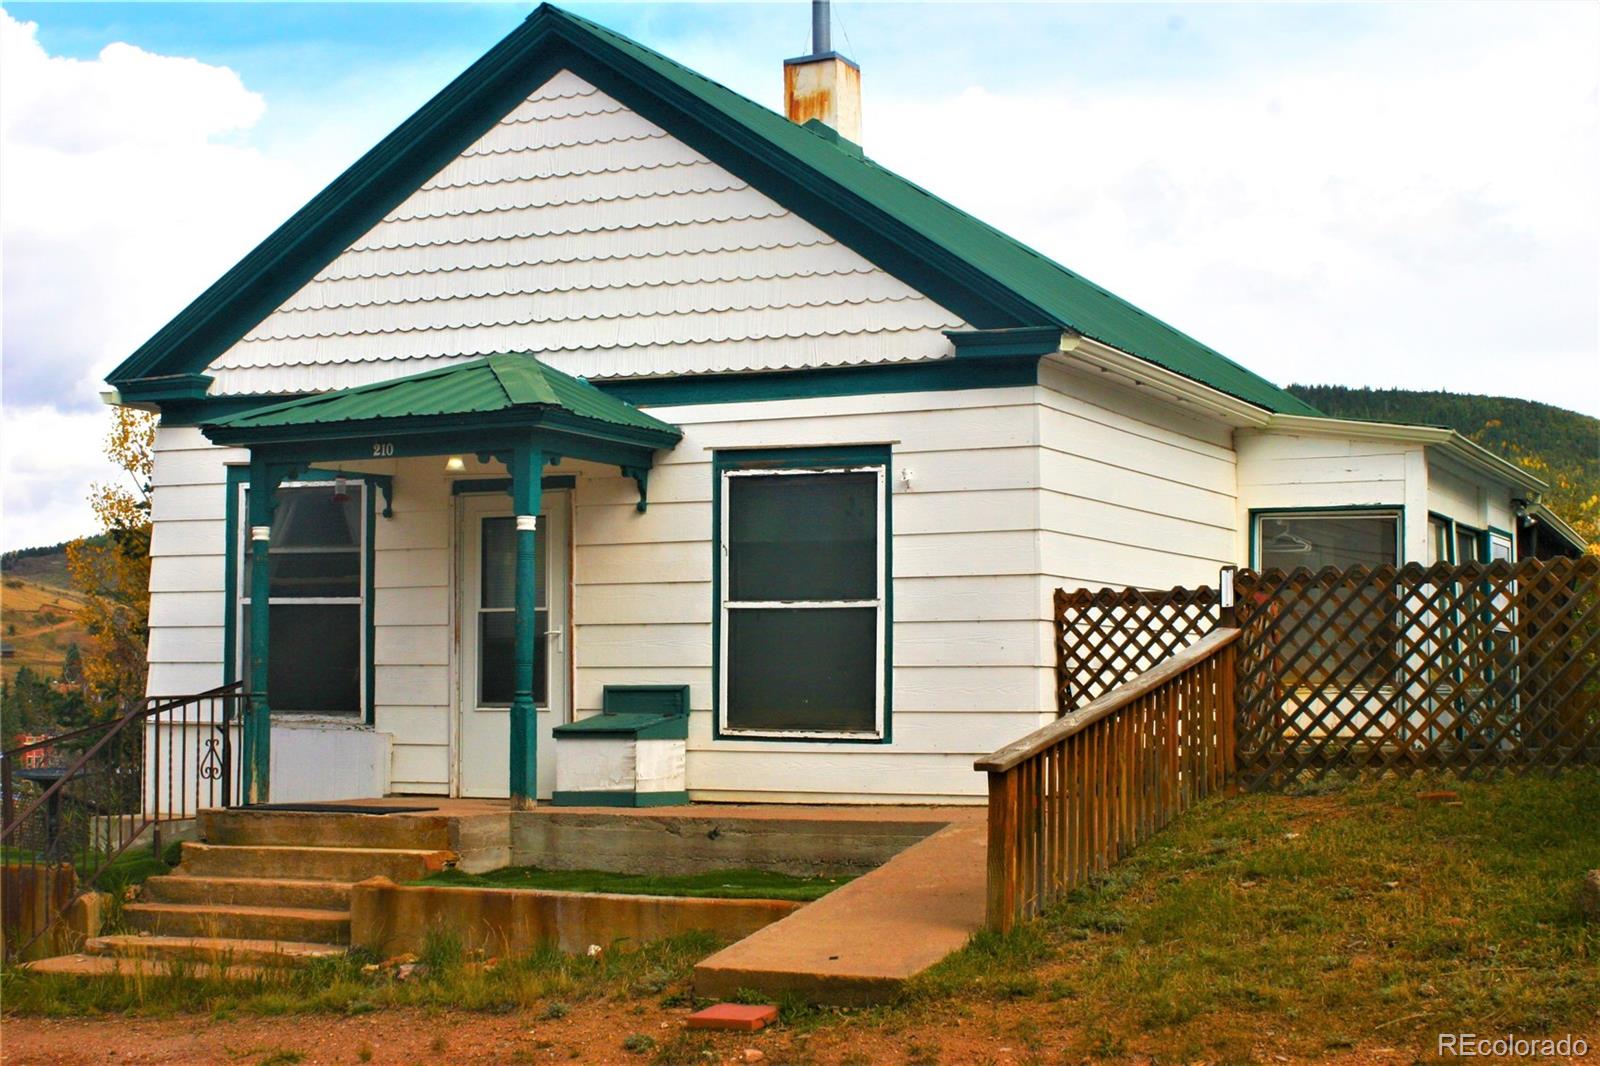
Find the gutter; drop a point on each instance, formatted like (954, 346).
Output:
(1546, 517)
(1165, 384)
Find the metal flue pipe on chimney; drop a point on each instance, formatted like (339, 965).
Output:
(821, 27)
(823, 85)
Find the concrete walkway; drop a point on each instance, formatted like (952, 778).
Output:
(857, 945)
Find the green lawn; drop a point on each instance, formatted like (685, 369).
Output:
(718, 884)
(1360, 915)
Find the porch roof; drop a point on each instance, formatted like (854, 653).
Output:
(511, 388)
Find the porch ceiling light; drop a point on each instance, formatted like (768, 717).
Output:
(455, 465)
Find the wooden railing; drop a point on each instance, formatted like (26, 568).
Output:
(1070, 799)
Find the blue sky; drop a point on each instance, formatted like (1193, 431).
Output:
(1392, 194)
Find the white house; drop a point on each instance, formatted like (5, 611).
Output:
(596, 375)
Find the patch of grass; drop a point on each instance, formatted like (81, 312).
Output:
(1349, 911)
(718, 884)
(544, 981)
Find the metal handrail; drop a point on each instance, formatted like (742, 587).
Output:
(93, 809)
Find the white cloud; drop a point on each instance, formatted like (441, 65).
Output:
(1400, 211)
(126, 187)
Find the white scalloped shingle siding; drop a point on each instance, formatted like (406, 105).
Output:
(577, 229)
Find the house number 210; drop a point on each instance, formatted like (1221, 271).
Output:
(382, 449)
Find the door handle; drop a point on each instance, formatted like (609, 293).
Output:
(559, 636)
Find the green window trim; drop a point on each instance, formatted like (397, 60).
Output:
(878, 457)
(238, 479)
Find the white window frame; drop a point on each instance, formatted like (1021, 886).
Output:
(242, 601)
(880, 472)
(1394, 515)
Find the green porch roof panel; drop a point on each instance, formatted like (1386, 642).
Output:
(487, 385)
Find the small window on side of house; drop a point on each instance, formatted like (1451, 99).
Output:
(1340, 539)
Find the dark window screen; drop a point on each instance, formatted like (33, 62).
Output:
(803, 537)
(315, 665)
(811, 669)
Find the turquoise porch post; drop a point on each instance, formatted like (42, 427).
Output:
(258, 716)
(527, 467)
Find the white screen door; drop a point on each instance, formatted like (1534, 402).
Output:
(487, 652)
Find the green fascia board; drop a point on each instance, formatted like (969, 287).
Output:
(165, 388)
(1003, 343)
(990, 279)
(933, 375)
(484, 386)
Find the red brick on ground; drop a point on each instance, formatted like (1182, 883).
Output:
(734, 1016)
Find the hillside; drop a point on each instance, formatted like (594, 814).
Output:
(1568, 441)
(38, 611)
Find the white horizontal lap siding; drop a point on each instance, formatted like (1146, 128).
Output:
(412, 626)
(578, 229)
(971, 649)
(188, 546)
(1468, 497)
(1312, 471)
(1135, 491)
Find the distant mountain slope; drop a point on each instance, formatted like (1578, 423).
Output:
(1566, 440)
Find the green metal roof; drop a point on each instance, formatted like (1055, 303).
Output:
(992, 280)
(486, 385)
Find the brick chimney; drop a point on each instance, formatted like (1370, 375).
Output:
(823, 85)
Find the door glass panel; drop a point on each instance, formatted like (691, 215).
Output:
(498, 587)
(803, 537)
(497, 615)
(812, 669)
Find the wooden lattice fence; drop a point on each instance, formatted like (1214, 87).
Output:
(1107, 637)
(1467, 669)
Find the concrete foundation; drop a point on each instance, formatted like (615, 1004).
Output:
(390, 919)
(704, 840)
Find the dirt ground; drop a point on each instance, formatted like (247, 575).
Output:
(592, 1033)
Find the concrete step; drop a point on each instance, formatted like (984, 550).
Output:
(116, 966)
(247, 892)
(211, 950)
(240, 923)
(279, 862)
(407, 831)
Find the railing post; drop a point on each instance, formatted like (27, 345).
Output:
(1002, 848)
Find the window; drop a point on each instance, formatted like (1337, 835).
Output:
(318, 596)
(1438, 539)
(1339, 539)
(1469, 544)
(1500, 547)
(803, 613)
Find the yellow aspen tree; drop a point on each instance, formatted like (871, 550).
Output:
(112, 569)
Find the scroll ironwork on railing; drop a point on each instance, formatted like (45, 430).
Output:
(72, 804)
(1072, 798)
